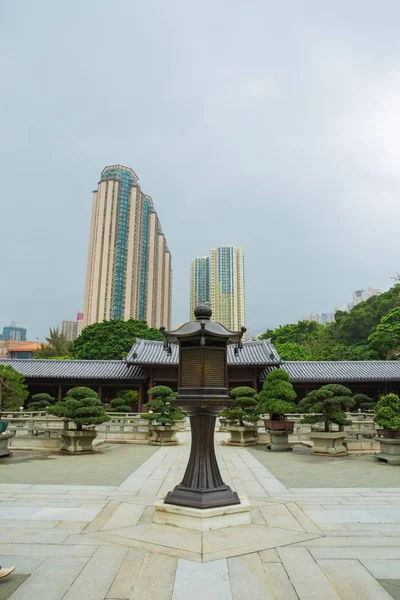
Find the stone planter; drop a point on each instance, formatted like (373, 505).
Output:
(4, 441)
(329, 444)
(390, 450)
(223, 423)
(279, 432)
(75, 442)
(163, 435)
(242, 436)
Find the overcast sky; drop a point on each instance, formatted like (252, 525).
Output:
(270, 125)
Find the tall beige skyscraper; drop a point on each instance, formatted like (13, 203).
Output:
(129, 274)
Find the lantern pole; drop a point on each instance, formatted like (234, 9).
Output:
(202, 394)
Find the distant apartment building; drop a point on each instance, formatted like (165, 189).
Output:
(362, 295)
(219, 281)
(129, 273)
(199, 282)
(70, 330)
(13, 332)
(322, 318)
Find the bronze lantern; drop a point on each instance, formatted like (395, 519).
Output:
(202, 394)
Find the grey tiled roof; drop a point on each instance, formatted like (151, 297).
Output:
(75, 369)
(148, 352)
(335, 371)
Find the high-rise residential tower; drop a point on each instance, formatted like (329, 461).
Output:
(199, 283)
(227, 295)
(129, 271)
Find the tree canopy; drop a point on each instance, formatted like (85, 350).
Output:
(369, 331)
(111, 340)
(14, 391)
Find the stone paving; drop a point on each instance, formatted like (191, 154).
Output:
(97, 542)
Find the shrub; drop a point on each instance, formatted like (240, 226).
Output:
(387, 412)
(120, 405)
(82, 406)
(245, 406)
(41, 401)
(161, 405)
(331, 400)
(277, 395)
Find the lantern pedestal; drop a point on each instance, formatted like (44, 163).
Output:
(202, 486)
(202, 519)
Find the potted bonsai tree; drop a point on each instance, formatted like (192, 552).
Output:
(82, 407)
(277, 399)
(40, 402)
(119, 405)
(163, 416)
(242, 417)
(363, 402)
(330, 401)
(387, 416)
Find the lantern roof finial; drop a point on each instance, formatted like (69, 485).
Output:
(203, 312)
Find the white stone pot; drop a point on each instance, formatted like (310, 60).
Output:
(390, 450)
(77, 441)
(242, 436)
(4, 441)
(279, 441)
(163, 435)
(329, 444)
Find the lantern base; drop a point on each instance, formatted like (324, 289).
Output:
(192, 498)
(202, 520)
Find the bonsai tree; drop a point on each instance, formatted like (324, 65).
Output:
(387, 412)
(277, 395)
(41, 401)
(13, 390)
(363, 402)
(331, 400)
(120, 405)
(82, 406)
(245, 406)
(161, 410)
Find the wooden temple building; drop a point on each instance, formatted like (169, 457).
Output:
(147, 364)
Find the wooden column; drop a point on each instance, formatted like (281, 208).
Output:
(100, 391)
(59, 394)
(141, 399)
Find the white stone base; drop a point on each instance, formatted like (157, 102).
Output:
(202, 520)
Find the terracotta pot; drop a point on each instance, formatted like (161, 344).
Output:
(279, 425)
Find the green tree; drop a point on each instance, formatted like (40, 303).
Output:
(331, 400)
(386, 338)
(82, 406)
(57, 345)
(277, 395)
(161, 408)
(293, 351)
(387, 412)
(296, 333)
(13, 390)
(245, 406)
(111, 340)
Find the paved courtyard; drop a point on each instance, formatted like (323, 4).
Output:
(88, 541)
